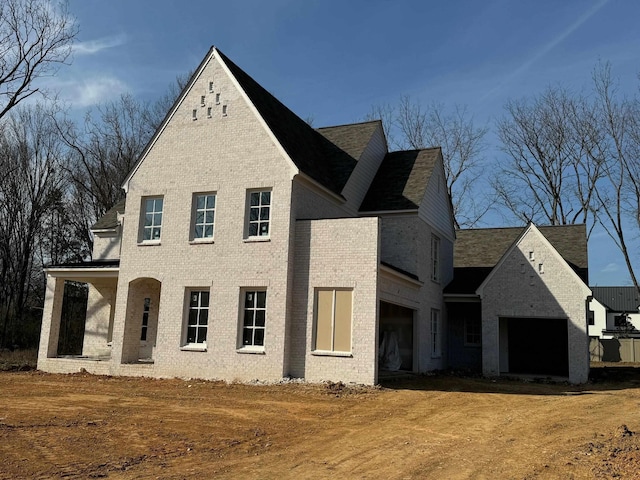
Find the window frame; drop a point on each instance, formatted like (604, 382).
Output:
(143, 220)
(334, 309)
(436, 334)
(196, 345)
(468, 333)
(259, 221)
(144, 330)
(254, 327)
(194, 217)
(435, 258)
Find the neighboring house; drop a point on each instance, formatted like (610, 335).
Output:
(518, 302)
(614, 312)
(614, 318)
(252, 246)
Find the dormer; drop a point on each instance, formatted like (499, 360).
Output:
(107, 233)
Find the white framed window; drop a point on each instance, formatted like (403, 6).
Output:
(152, 218)
(197, 317)
(435, 258)
(145, 319)
(254, 317)
(436, 337)
(333, 319)
(259, 213)
(472, 332)
(204, 212)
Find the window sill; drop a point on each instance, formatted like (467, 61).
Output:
(201, 241)
(251, 350)
(257, 239)
(193, 348)
(328, 353)
(149, 243)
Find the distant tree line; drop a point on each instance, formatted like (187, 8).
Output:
(567, 158)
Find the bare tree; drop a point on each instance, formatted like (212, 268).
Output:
(105, 150)
(412, 126)
(553, 160)
(35, 39)
(618, 192)
(158, 110)
(32, 185)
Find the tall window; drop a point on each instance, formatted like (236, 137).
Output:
(333, 320)
(205, 209)
(436, 348)
(259, 213)
(435, 258)
(198, 317)
(472, 332)
(145, 319)
(254, 319)
(152, 223)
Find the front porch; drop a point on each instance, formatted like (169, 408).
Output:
(78, 314)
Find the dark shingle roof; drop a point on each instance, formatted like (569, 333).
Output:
(312, 153)
(352, 138)
(90, 264)
(401, 180)
(110, 219)
(618, 299)
(477, 251)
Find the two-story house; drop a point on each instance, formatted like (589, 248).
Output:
(252, 246)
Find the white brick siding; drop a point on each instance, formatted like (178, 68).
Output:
(516, 289)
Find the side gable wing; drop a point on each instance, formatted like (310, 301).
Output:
(531, 229)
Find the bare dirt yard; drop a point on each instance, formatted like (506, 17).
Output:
(443, 427)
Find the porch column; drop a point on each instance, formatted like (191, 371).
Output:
(51, 315)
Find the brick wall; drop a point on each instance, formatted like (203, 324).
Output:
(519, 287)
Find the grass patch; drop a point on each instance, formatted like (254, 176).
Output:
(18, 360)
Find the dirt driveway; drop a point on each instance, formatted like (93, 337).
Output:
(82, 426)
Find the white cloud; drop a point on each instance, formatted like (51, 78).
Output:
(89, 91)
(610, 268)
(93, 91)
(91, 47)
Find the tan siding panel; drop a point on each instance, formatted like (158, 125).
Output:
(342, 339)
(324, 319)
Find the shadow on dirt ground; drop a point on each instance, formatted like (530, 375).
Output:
(609, 376)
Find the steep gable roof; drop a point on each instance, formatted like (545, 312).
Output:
(401, 181)
(312, 153)
(618, 299)
(352, 138)
(477, 251)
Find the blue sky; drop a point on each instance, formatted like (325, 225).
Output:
(332, 60)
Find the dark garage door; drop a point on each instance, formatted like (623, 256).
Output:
(538, 346)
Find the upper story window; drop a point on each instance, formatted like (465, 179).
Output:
(435, 258)
(259, 213)
(152, 220)
(204, 216)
